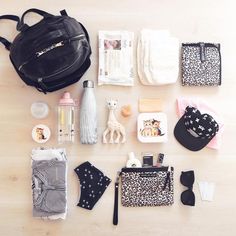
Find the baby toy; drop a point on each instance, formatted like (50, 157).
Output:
(113, 126)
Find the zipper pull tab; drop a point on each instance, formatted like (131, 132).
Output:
(118, 177)
(42, 86)
(202, 52)
(167, 181)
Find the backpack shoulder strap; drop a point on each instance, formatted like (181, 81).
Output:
(4, 41)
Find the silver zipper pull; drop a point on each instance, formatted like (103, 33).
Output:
(118, 176)
(55, 45)
(59, 44)
(202, 52)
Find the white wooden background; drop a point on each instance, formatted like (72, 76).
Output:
(190, 21)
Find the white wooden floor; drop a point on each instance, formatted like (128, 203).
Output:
(190, 21)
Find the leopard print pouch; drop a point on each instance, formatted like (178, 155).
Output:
(201, 64)
(147, 186)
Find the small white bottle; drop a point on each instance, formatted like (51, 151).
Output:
(88, 115)
(66, 119)
(133, 162)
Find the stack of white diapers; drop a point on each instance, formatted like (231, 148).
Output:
(158, 57)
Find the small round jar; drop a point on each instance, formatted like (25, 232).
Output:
(41, 133)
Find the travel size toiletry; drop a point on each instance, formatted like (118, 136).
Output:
(160, 159)
(133, 161)
(147, 159)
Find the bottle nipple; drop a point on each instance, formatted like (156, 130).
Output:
(66, 99)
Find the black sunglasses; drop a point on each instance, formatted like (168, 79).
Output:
(187, 179)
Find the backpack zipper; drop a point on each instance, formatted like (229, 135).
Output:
(45, 50)
(53, 46)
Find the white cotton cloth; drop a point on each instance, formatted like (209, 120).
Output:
(157, 57)
(206, 190)
(39, 154)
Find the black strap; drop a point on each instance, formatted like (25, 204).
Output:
(63, 12)
(22, 26)
(167, 181)
(115, 212)
(4, 41)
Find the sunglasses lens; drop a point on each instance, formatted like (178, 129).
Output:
(188, 198)
(187, 178)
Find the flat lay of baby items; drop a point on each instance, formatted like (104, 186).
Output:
(187, 179)
(157, 57)
(115, 129)
(88, 115)
(66, 119)
(195, 130)
(116, 58)
(200, 104)
(144, 186)
(49, 183)
(41, 133)
(93, 183)
(51, 54)
(206, 190)
(201, 64)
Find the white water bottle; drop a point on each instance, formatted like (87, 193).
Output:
(88, 115)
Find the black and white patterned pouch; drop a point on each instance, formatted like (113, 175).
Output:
(153, 186)
(201, 64)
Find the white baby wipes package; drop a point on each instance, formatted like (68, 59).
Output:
(116, 58)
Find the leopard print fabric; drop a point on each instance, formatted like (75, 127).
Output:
(201, 72)
(140, 189)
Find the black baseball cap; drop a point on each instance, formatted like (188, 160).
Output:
(195, 130)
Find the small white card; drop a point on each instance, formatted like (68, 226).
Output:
(206, 190)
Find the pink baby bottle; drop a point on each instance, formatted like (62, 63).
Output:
(66, 119)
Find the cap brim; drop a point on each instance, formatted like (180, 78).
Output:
(186, 139)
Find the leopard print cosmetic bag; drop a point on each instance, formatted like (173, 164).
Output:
(201, 64)
(147, 186)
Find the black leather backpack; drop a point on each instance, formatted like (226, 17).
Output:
(51, 54)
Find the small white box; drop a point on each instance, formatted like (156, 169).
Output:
(152, 127)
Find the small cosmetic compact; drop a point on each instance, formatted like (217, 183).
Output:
(41, 133)
(147, 159)
(152, 127)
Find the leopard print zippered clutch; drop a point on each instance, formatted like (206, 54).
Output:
(201, 64)
(147, 186)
